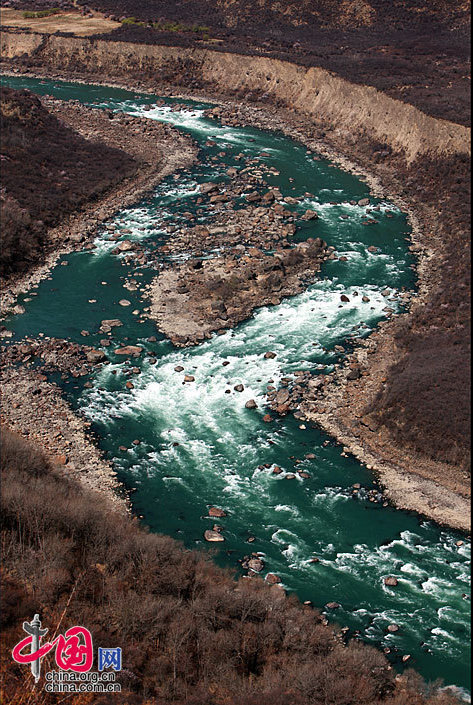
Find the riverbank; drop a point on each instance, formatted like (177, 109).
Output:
(26, 394)
(438, 490)
(433, 240)
(27, 397)
(62, 435)
(159, 150)
(283, 486)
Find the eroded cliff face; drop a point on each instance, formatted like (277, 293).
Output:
(315, 93)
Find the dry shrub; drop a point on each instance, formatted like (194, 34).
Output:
(189, 632)
(48, 171)
(426, 401)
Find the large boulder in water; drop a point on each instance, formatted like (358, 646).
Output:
(133, 350)
(273, 579)
(310, 215)
(111, 323)
(213, 536)
(125, 246)
(256, 565)
(95, 356)
(208, 187)
(282, 396)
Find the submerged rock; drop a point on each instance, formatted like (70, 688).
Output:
(273, 579)
(216, 512)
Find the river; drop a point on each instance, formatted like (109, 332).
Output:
(199, 445)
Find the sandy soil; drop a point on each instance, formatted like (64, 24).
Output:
(64, 22)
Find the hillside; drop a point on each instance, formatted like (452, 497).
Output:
(417, 51)
(48, 171)
(198, 637)
(287, 14)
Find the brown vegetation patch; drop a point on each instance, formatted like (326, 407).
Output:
(426, 401)
(48, 171)
(197, 637)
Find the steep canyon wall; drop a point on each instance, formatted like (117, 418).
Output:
(312, 92)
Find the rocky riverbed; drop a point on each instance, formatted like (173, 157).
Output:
(193, 300)
(36, 409)
(388, 175)
(29, 397)
(341, 405)
(244, 256)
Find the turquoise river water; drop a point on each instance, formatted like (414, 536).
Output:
(200, 446)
